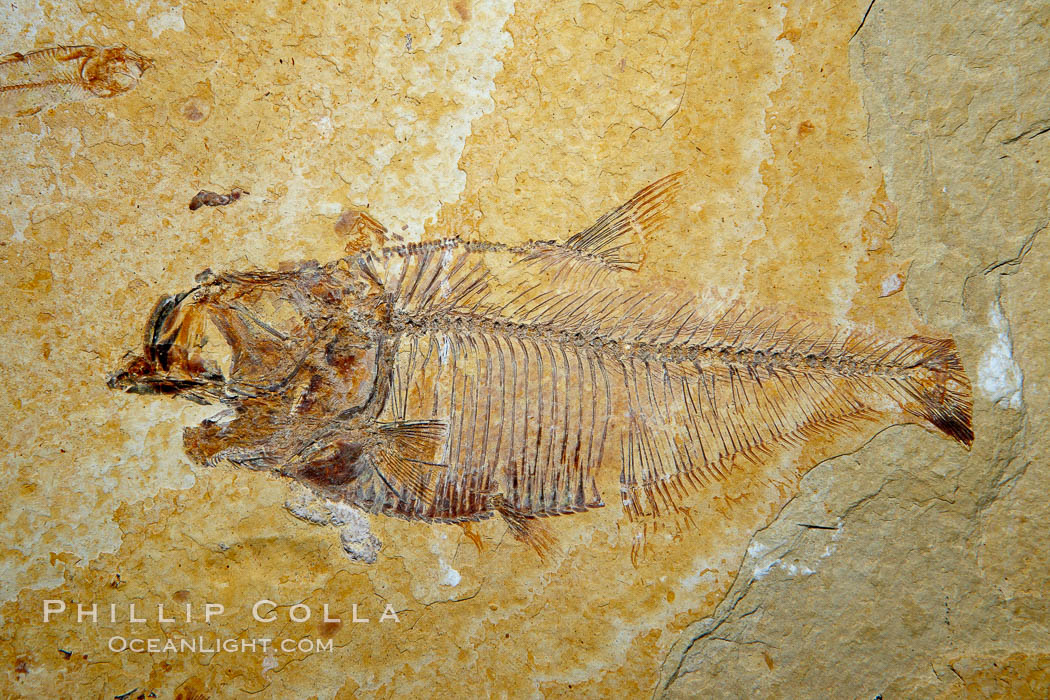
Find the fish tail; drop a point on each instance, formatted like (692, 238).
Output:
(936, 388)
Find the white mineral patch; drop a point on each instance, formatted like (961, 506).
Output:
(998, 375)
(168, 20)
(756, 549)
(764, 564)
(324, 127)
(359, 543)
(762, 571)
(472, 64)
(796, 569)
(308, 508)
(766, 560)
(355, 531)
(343, 514)
(450, 577)
(891, 285)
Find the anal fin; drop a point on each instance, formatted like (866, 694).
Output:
(525, 528)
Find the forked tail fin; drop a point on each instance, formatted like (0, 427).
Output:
(937, 388)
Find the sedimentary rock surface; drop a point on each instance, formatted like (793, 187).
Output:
(882, 165)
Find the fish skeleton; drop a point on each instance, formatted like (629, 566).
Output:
(452, 381)
(32, 81)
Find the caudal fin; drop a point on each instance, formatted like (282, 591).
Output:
(937, 389)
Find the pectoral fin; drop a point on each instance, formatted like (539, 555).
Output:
(407, 454)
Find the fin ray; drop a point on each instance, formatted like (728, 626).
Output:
(616, 241)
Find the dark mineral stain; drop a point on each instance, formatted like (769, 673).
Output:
(339, 469)
(338, 355)
(205, 198)
(307, 400)
(193, 110)
(328, 628)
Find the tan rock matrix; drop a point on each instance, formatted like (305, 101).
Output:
(874, 169)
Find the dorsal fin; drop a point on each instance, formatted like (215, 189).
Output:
(616, 241)
(619, 237)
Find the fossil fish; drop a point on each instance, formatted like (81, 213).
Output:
(453, 381)
(32, 81)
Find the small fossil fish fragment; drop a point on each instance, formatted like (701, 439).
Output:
(204, 198)
(33, 81)
(361, 231)
(453, 381)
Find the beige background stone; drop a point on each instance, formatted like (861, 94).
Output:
(932, 582)
(816, 168)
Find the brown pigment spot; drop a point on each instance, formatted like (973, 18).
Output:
(340, 469)
(329, 628)
(195, 111)
(337, 356)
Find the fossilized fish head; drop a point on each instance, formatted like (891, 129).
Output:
(182, 354)
(282, 349)
(113, 70)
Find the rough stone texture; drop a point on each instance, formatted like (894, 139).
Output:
(930, 580)
(817, 168)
